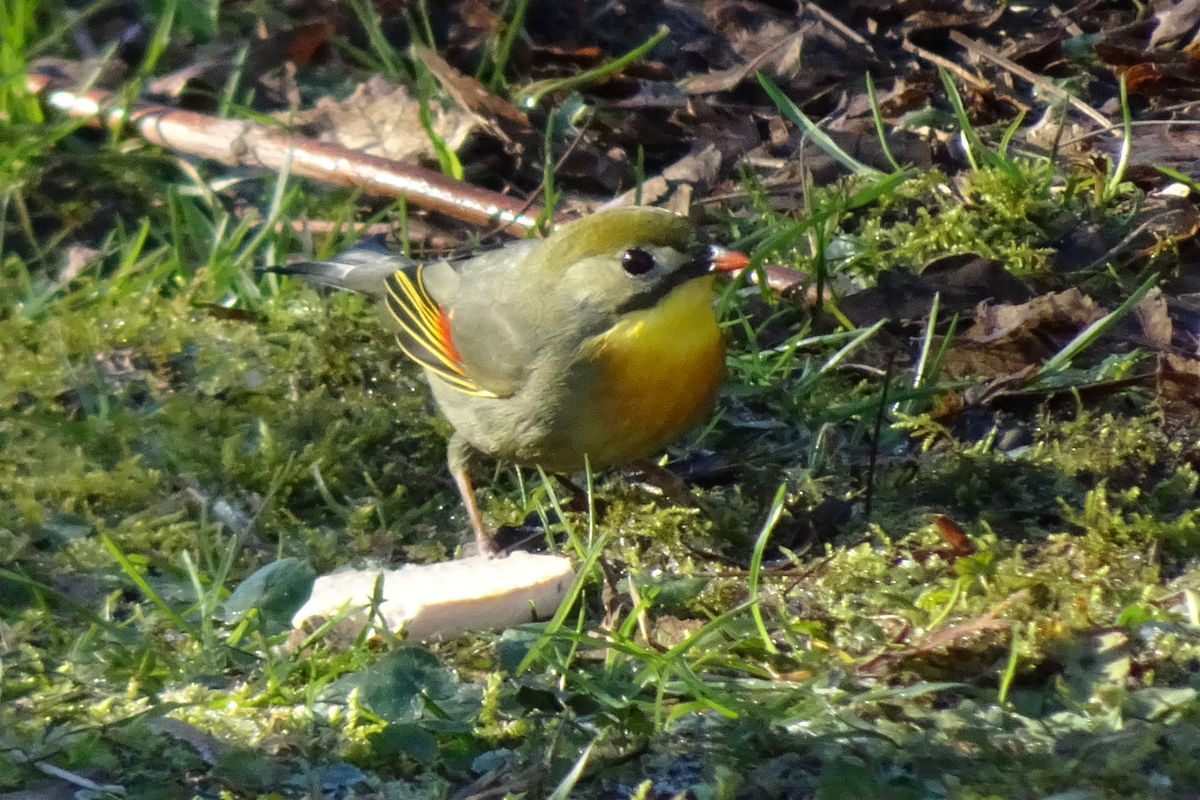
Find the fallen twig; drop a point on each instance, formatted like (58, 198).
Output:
(244, 143)
(939, 61)
(1047, 86)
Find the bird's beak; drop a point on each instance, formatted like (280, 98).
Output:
(713, 259)
(722, 260)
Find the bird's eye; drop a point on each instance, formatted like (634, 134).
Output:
(637, 262)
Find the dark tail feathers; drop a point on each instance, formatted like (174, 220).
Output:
(363, 268)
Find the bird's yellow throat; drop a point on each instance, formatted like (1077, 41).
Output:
(681, 321)
(658, 371)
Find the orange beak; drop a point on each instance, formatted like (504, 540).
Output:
(722, 260)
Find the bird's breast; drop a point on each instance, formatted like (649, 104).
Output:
(655, 375)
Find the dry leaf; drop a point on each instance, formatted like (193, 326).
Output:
(675, 186)
(1069, 311)
(382, 119)
(497, 115)
(1155, 321)
(953, 535)
(1175, 22)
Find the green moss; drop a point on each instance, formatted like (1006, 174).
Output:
(1126, 448)
(114, 406)
(928, 218)
(932, 215)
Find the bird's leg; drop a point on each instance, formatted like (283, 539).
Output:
(458, 456)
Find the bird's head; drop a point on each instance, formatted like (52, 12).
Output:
(626, 259)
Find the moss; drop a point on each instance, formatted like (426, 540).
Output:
(1126, 449)
(115, 405)
(931, 215)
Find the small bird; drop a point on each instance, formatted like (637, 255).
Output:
(596, 345)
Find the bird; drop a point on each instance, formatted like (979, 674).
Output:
(597, 345)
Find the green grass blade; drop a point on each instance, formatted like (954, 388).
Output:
(760, 545)
(504, 49)
(567, 784)
(531, 95)
(1010, 667)
(877, 119)
(823, 140)
(1088, 336)
(1113, 185)
(143, 586)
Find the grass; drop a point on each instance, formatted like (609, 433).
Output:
(170, 426)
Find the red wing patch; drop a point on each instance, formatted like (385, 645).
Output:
(446, 336)
(425, 334)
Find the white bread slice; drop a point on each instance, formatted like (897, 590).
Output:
(439, 601)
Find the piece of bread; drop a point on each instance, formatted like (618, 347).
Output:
(439, 601)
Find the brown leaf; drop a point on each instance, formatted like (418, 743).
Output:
(948, 634)
(785, 49)
(1006, 363)
(1172, 146)
(976, 278)
(1067, 311)
(1008, 340)
(1179, 379)
(304, 41)
(1152, 315)
(962, 281)
(677, 184)
(1038, 50)
(943, 637)
(383, 119)
(953, 535)
(975, 13)
(1175, 22)
(1160, 75)
(208, 69)
(497, 115)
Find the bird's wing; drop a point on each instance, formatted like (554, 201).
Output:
(372, 268)
(425, 332)
(461, 335)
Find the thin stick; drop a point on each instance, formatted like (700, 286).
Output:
(947, 64)
(528, 207)
(839, 26)
(1068, 23)
(243, 143)
(1041, 83)
(874, 456)
(1137, 123)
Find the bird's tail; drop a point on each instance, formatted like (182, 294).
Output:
(363, 268)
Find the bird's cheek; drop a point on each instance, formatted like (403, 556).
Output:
(594, 300)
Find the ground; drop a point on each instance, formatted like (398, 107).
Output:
(938, 539)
